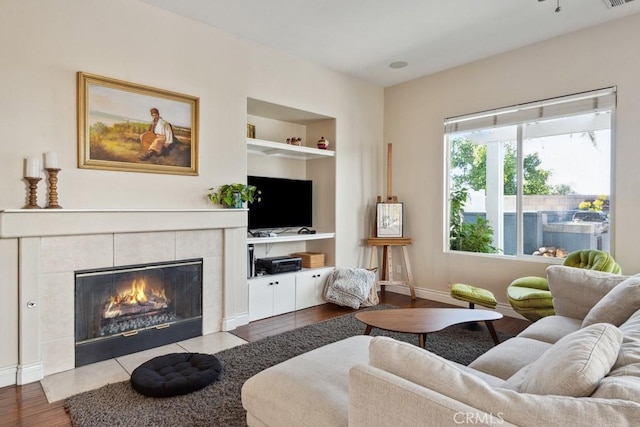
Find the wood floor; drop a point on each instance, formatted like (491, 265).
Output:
(27, 405)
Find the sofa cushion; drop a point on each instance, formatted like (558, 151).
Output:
(568, 285)
(618, 305)
(628, 362)
(313, 387)
(509, 357)
(418, 366)
(623, 382)
(574, 365)
(551, 328)
(625, 387)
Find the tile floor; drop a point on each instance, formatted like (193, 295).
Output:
(65, 384)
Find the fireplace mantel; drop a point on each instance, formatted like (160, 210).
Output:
(69, 222)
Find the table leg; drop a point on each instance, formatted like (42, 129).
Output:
(407, 266)
(386, 265)
(389, 263)
(373, 259)
(367, 330)
(422, 340)
(492, 331)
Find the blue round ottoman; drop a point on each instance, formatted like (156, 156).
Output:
(176, 373)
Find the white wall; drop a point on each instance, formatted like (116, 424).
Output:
(599, 57)
(45, 43)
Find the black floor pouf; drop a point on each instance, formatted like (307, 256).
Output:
(176, 373)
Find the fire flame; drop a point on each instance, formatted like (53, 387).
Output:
(137, 295)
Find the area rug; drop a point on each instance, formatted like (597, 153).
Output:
(219, 403)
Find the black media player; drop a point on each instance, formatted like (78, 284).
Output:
(280, 264)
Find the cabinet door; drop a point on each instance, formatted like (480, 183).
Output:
(306, 291)
(261, 298)
(320, 281)
(310, 287)
(284, 294)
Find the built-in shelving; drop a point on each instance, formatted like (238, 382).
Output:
(269, 155)
(280, 149)
(290, 237)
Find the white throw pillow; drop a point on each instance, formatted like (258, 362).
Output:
(573, 366)
(568, 285)
(616, 306)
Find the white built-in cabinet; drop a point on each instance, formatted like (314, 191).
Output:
(310, 287)
(271, 295)
(269, 155)
(283, 293)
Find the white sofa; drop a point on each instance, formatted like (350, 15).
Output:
(579, 367)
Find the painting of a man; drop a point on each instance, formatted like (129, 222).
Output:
(158, 140)
(115, 133)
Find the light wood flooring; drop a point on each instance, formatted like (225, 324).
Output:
(27, 405)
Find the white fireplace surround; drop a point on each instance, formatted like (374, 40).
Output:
(53, 244)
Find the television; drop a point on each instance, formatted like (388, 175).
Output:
(285, 203)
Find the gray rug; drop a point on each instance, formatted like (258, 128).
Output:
(219, 403)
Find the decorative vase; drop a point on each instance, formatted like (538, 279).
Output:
(323, 143)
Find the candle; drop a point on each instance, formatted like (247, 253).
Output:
(51, 160)
(32, 167)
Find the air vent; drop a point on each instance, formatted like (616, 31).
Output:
(614, 3)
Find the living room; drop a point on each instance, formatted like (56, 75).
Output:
(52, 41)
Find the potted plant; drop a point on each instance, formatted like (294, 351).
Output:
(234, 195)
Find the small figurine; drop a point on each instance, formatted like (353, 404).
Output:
(323, 143)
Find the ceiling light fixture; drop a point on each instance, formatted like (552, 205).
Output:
(398, 64)
(558, 8)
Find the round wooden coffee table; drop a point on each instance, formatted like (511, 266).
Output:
(422, 321)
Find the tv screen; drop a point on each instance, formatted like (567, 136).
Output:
(284, 203)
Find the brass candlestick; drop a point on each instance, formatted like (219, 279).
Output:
(33, 193)
(53, 188)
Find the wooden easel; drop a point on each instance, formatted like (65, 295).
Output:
(387, 243)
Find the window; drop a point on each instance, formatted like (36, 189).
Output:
(533, 179)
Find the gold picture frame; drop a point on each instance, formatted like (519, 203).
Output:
(129, 127)
(389, 220)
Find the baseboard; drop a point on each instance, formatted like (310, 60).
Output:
(8, 375)
(230, 323)
(444, 297)
(29, 373)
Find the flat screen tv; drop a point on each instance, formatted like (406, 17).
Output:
(284, 203)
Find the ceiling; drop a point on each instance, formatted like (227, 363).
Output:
(362, 37)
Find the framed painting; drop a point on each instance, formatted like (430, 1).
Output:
(124, 126)
(389, 220)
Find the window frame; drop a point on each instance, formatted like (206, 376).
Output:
(520, 115)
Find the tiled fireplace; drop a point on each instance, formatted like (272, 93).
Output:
(54, 245)
(126, 309)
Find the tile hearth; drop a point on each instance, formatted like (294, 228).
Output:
(90, 377)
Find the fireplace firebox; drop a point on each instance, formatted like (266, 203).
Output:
(123, 310)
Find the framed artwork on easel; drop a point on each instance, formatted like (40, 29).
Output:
(389, 220)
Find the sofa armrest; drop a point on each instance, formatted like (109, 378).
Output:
(576, 290)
